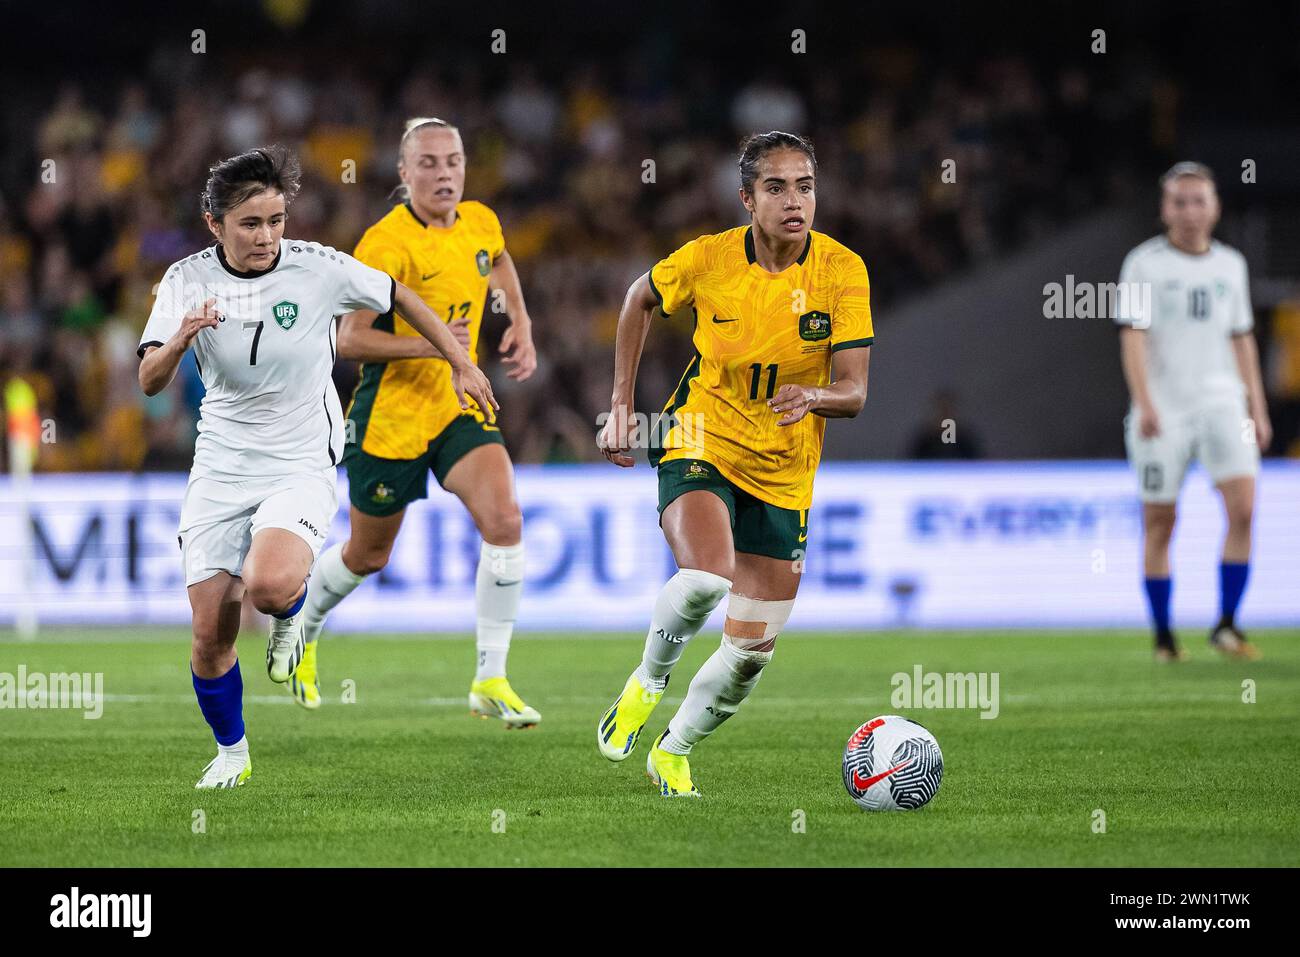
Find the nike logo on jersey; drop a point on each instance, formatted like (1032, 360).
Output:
(502, 584)
(430, 276)
(862, 783)
(720, 321)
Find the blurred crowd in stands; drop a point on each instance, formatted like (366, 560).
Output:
(107, 196)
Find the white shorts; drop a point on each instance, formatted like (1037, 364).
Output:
(219, 518)
(1220, 437)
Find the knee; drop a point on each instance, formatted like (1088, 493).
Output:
(206, 638)
(748, 657)
(272, 592)
(502, 525)
(208, 652)
(1240, 515)
(701, 591)
(760, 644)
(366, 559)
(1160, 524)
(751, 629)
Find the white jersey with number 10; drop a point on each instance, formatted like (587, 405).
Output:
(1197, 303)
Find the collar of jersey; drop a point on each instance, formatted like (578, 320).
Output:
(752, 258)
(416, 216)
(1169, 243)
(251, 274)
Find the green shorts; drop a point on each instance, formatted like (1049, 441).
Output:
(756, 527)
(382, 487)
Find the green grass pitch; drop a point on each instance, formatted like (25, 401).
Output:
(1185, 771)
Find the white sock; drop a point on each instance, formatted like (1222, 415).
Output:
(239, 748)
(683, 606)
(716, 691)
(330, 583)
(497, 586)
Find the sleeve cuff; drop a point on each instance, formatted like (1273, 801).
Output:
(392, 294)
(853, 344)
(145, 345)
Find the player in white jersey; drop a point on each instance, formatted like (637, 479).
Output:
(1192, 369)
(259, 312)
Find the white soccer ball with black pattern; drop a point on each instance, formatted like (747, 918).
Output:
(892, 764)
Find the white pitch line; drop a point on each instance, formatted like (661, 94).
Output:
(459, 701)
(865, 701)
(268, 699)
(156, 635)
(189, 699)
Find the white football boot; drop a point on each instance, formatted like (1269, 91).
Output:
(228, 769)
(285, 647)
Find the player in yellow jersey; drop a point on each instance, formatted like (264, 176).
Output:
(782, 340)
(405, 420)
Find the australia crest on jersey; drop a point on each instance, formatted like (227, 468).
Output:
(484, 262)
(814, 326)
(285, 314)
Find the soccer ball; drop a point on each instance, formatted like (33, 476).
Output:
(892, 764)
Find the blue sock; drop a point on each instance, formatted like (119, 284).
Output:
(1232, 583)
(294, 608)
(1158, 590)
(222, 702)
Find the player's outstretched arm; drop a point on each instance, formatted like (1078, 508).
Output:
(517, 341)
(1246, 353)
(842, 399)
(159, 364)
(629, 342)
(467, 379)
(1133, 357)
(360, 341)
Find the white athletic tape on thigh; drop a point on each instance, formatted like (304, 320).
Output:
(771, 614)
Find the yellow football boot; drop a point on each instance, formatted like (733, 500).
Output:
(494, 698)
(304, 683)
(621, 724)
(671, 773)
